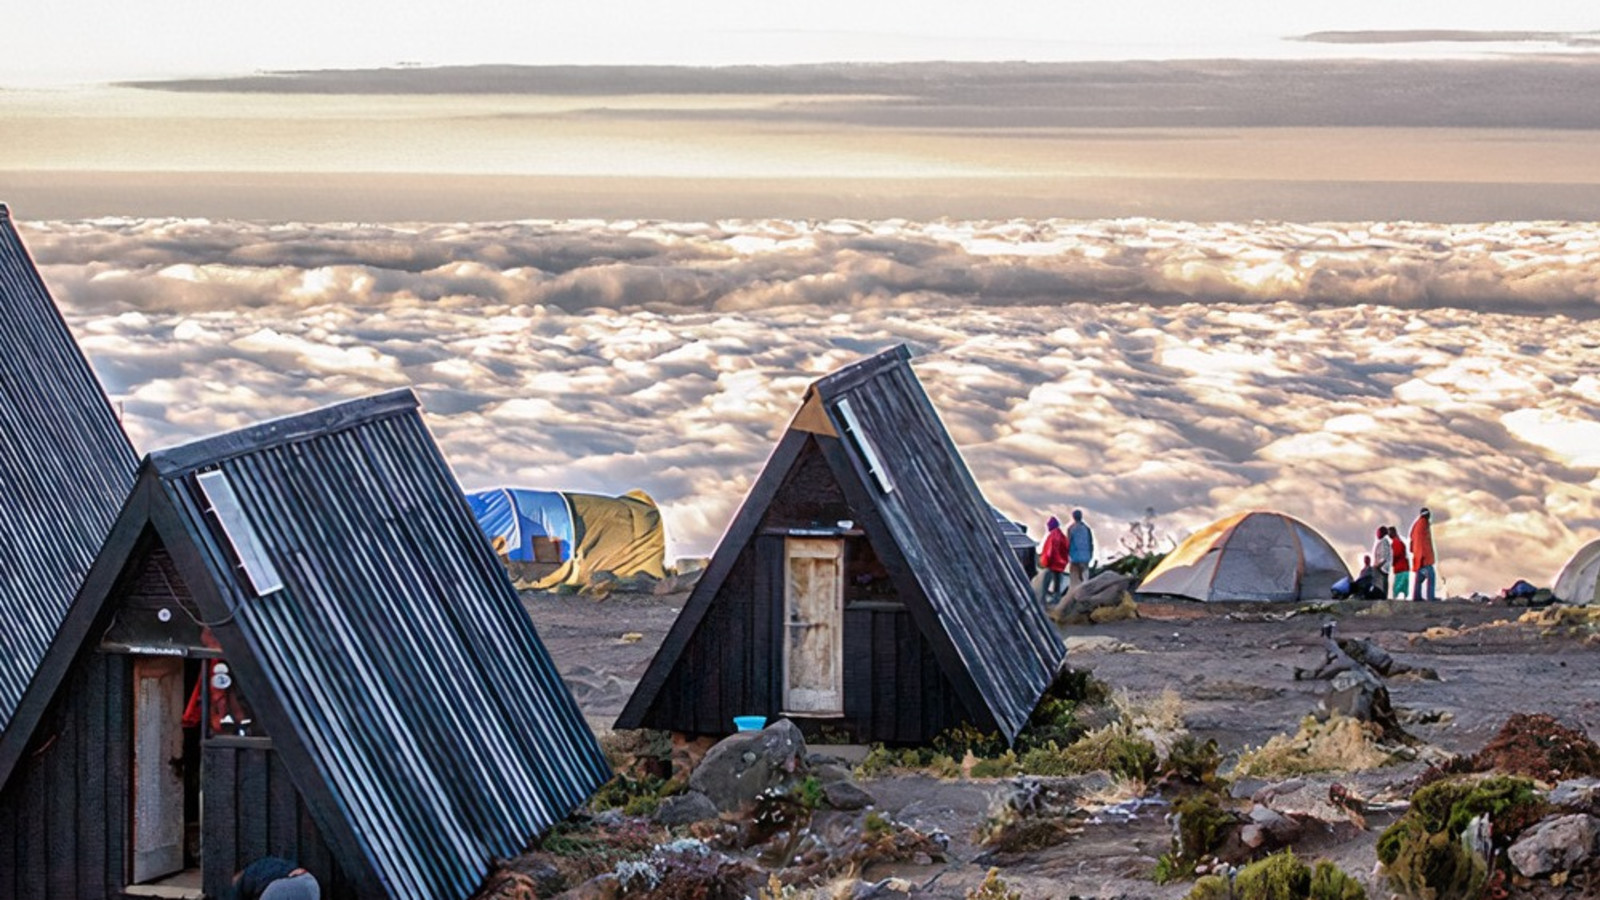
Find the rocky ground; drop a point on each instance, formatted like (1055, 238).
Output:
(1227, 671)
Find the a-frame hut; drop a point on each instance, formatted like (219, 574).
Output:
(65, 467)
(296, 642)
(863, 585)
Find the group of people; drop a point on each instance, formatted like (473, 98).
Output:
(1391, 562)
(1064, 556)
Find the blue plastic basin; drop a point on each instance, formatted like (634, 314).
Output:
(749, 723)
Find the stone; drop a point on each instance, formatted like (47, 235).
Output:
(1103, 590)
(742, 765)
(686, 809)
(1555, 845)
(846, 795)
(1581, 792)
(830, 772)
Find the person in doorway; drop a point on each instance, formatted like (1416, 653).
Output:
(1080, 548)
(274, 878)
(1382, 561)
(1053, 560)
(1422, 558)
(1401, 563)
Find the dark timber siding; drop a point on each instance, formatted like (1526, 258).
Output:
(894, 689)
(252, 810)
(62, 831)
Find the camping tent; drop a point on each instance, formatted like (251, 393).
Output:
(583, 534)
(1255, 555)
(1579, 581)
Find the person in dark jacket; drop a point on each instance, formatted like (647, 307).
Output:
(1053, 560)
(1080, 548)
(274, 878)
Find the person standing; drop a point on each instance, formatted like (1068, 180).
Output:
(1080, 547)
(1382, 562)
(1422, 558)
(1053, 560)
(1402, 565)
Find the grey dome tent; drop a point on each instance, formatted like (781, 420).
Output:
(1579, 581)
(1251, 556)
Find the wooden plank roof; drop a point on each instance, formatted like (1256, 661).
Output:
(984, 616)
(65, 468)
(376, 634)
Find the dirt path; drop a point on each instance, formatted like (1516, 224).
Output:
(1232, 667)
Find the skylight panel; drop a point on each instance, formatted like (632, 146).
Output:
(852, 428)
(247, 547)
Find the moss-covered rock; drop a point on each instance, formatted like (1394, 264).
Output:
(1281, 877)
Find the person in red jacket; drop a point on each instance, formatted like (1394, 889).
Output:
(1053, 560)
(1422, 560)
(1402, 564)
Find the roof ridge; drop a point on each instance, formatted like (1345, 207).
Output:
(288, 429)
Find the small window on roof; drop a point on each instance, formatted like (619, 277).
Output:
(247, 547)
(852, 428)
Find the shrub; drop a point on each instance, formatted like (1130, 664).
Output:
(1192, 761)
(1422, 853)
(1281, 877)
(1113, 749)
(993, 888)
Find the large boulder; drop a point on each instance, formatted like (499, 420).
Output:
(742, 765)
(1555, 845)
(1108, 589)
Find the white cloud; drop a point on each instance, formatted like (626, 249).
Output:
(1343, 374)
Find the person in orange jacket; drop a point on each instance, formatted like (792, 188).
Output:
(1053, 560)
(1422, 558)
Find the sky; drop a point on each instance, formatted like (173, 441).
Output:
(75, 41)
(1181, 260)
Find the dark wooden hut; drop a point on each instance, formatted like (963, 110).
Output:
(65, 467)
(296, 642)
(863, 585)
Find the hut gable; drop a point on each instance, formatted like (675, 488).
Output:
(863, 584)
(65, 467)
(406, 725)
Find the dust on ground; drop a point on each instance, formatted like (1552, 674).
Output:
(1232, 665)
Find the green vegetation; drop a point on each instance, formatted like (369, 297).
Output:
(635, 796)
(1280, 877)
(993, 888)
(1423, 853)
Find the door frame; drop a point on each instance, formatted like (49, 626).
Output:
(797, 547)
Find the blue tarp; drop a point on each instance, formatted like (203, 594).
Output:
(519, 516)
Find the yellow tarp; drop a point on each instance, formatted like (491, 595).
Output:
(621, 535)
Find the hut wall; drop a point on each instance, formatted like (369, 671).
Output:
(252, 809)
(894, 689)
(64, 811)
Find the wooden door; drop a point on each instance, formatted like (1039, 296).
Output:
(157, 767)
(813, 614)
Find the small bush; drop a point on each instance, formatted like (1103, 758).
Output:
(1422, 853)
(1281, 877)
(1113, 749)
(993, 888)
(1192, 761)
(1203, 827)
(1341, 744)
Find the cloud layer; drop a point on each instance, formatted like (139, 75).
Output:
(1344, 374)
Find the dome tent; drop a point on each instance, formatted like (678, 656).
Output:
(1579, 581)
(1251, 556)
(581, 534)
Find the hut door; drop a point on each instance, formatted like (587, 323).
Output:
(814, 610)
(157, 767)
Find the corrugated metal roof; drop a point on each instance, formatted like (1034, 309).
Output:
(948, 534)
(65, 468)
(396, 657)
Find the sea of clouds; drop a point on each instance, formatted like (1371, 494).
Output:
(1345, 374)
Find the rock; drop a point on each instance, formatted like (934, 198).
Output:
(1272, 827)
(1555, 845)
(877, 890)
(830, 772)
(1246, 787)
(846, 795)
(686, 809)
(1578, 792)
(1104, 590)
(744, 764)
